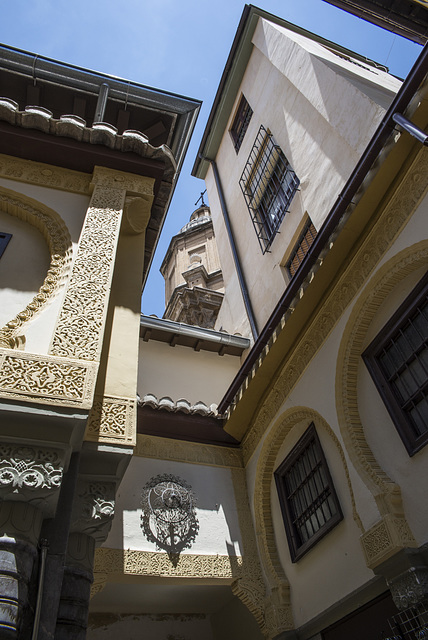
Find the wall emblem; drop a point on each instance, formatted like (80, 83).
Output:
(169, 518)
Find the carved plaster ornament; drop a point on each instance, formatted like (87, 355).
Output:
(31, 474)
(93, 509)
(410, 588)
(169, 518)
(136, 214)
(58, 239)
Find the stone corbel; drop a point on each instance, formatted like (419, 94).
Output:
(136, 214)
(386, 538)
(278, 612)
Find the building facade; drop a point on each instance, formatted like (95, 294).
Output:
(260, 475)
(85, 182)
(329, 405)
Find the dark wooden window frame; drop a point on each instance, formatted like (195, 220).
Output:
(389, 394)
(298, 547)
(4, 241)
(301, 248)
(240, 123)
(268, 184)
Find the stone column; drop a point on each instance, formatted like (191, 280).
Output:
(18, 553)
(30, 478)
(93, 511)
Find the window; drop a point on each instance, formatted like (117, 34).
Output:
(240, 123)
(397, 360)
(4, 241)
(309, 504)
(268, 183)
(302, 247)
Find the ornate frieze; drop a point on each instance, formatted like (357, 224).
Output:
(112, 419)
(56, 234)
(151, 563)
(193, 453)
(80, 326)
(42, 378)
(44, 175)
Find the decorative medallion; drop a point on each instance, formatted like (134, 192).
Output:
(169, 518)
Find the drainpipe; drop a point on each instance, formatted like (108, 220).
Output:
(101, 103)
(241, 277)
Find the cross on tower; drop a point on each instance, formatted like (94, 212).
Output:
(201, 198)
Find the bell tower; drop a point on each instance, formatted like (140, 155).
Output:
(194, 286)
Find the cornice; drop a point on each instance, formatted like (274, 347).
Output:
(44, 175)
(101, 133)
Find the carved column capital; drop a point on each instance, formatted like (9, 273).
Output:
(93, 509)
(410, 587)
(32, 474)
(129, 182)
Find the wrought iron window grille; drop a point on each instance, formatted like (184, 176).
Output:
(268, 184)
(309, 504)
(4, 241)
(397, 360)
(410, 624)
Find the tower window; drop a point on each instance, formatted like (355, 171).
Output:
(309, 503)
(268, 183)
(4, 241)
(240, 123)
(397, 360)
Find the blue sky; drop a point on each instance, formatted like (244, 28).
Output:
(179, 46)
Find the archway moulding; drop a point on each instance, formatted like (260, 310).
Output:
(278, 609)
(392, 532)
(58, 239)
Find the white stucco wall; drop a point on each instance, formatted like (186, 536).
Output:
(339, 554)
(321, 121)
(193, 375)
(219, 531)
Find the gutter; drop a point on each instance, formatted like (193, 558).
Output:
(400, 103)
(197, 333)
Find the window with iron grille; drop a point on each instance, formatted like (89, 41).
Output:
(397, 360)
(240, 123)
(268, 183)
(309, 503)
(302, 247)
(4, 241)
